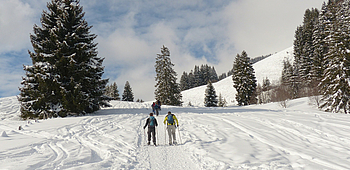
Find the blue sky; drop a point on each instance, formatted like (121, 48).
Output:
(131, 33)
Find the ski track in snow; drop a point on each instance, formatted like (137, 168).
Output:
(253, 137)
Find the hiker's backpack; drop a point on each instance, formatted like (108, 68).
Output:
(152, 122)
(170, 119)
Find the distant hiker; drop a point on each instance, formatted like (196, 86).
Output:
(159, 104)
(151, 123)
(171, 126)
(157, 107)
(153, 107)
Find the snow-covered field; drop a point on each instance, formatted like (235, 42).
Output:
(252, 137)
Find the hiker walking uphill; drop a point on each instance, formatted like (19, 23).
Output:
(171, 126)
(151, 123)
(156, 107)
(153, 107)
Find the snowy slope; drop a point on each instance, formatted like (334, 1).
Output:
(195, 96)
(253, 137)
(270, 67)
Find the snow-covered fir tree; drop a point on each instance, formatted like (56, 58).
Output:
(36, 96)
(304, 49)
(266, 84)
(205, 74)
(306, 61)
(210, 99)
(197, 77)
(128, 95)
(320, 48)
(213, 75)
(222, 76)
(335, 85)
(289, 80)
(244, 80)
(66, 75)
(329, 55)
(222, 101)
(184, 81)
(167, 89)
(112, 91)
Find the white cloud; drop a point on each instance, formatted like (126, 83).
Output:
(264, 27)
(135, 55)
(10, 77)
(16, 21)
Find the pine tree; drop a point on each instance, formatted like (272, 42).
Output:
(266, 84)
(205, 72)
(290, 80)
(335, 85)
(191, 80)
(213, 75)
(320, 48)
(306, 62)
(244, 80)
(36, 95)
(65, 77)
(222, 76)
(167, 90)
(184, 82)
(197, 76)
(128, 95)
(112, 91)
(210, 99)
(222, 102)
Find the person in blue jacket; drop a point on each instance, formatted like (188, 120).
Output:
(151, 122)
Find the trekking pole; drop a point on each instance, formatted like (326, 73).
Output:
(164, 135)
(179, 134)
(157, 136)
(144, 133)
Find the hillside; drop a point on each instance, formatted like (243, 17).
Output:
(270, 67)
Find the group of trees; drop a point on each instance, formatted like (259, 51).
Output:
(66, 75)
(200, 76)
(113, 92)
(322, 57)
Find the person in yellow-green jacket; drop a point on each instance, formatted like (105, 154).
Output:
(171, 126)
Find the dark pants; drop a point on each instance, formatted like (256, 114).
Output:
(157, 111)
(152, 131)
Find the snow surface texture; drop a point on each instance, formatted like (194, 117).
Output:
(270, 67)
(251, 137)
